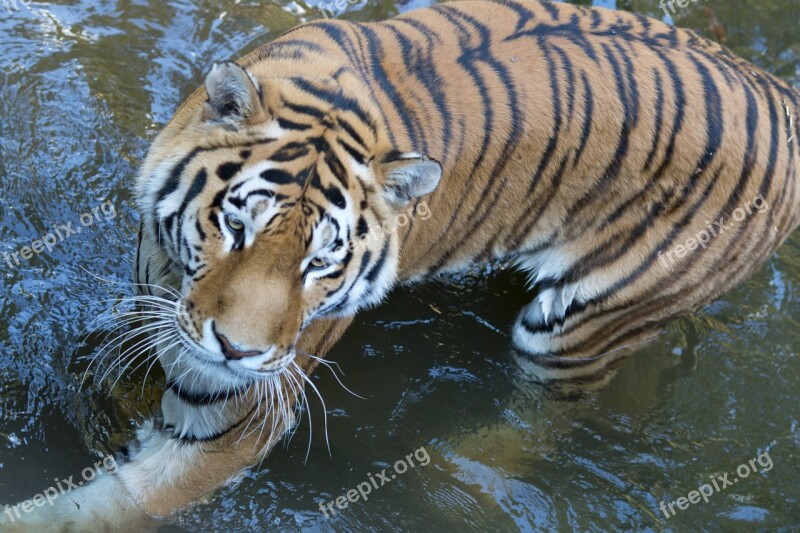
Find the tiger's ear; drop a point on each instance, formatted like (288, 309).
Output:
(234, 96)
(408, 176)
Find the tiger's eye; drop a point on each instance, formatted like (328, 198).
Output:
(234, 223)
(319, 262)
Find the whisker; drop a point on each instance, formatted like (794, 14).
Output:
(167, 289)
(319, 395)
(130, 356)
(256, 411)
(111, 346)
(328, 364)
(119, 340)
(304, 399)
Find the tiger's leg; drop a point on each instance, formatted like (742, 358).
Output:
(562, 353)
(582, 330)
(558, 347)
(165, 472)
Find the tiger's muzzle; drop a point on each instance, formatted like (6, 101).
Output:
(247, 311)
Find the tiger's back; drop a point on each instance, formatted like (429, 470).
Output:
(594, 147)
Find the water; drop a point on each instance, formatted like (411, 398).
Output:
(84, 86)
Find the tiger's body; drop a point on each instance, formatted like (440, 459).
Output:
(580, 143)
(583, 145)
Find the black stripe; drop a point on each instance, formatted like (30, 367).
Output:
(346, 126)
(192, 439)
(552, 142)
(596, 19)
(199, 228)
(358, 156)
(305, 110)
(569, 70)
(766, 183)
(714, 122)
(339, 36)
(336, 100)
(375, 270)
(287, 124)
(659, 119)
(227, 170)
(172, 183)
(645, 22)
(524, 15)
(280, 177)
(544, 202)
(242, 202)
(551, 8)
(362, 228)
(289, 152)
(715, 127)
(548, 33)
(469, 59)
(197, 186)
(430, 78)
(383, 82)
(588, 117)
(680, 105)
(199, 399)
(648, 262)
(289, 49)
(337, 168)
(632, 85)
(332, 194)
(612, 171)
(362, 267)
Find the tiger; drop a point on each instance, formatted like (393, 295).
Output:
(633, 170)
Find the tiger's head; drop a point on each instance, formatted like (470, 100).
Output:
(275, 199)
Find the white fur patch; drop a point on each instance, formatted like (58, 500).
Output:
(273, 130)
(550, 306)
(195, 421)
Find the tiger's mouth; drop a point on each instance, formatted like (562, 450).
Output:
(250, 368)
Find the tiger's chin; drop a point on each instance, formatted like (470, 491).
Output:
(191, 370)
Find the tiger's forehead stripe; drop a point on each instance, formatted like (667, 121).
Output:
(175, 173)
(338, 101)
(289, 159)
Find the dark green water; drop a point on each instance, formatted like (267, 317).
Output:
(84, 86)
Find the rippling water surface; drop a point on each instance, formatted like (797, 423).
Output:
(84, 86)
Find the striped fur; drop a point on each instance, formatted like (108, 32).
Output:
(580, 144)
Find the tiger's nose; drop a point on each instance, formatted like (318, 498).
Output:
(229, 350)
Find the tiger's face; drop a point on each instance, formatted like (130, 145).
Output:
(277, 206)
